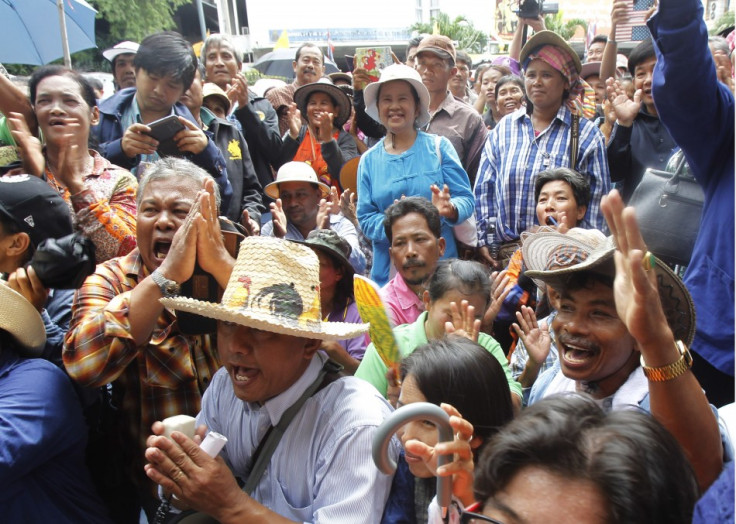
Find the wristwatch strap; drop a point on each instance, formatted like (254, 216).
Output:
(169, 288)
(670, 371)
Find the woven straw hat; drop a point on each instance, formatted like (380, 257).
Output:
(21, 320)
(274, 286)
(553, 257)
(325, 85)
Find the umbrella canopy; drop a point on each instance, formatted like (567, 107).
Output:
(30, 30)
(279, 63)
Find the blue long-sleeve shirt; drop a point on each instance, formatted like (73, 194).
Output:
(383, 178)
(698, 112)
(513, 157)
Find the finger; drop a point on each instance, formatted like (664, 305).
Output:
(188, 124)
(633, 233)
(419, 449)
(193, 452)
(169, 486)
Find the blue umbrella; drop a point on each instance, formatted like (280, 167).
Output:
(30, 30)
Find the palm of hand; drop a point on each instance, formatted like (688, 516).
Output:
(624, 107)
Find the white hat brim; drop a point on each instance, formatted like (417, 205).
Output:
(370, 95)
(247, 317)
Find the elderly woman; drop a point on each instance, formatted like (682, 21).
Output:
(321, 142)
(407, 162)
(547, 134)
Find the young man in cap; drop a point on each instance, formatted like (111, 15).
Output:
(44, 435)
(300, 207)
(270, 327)
(623, 325)
(31, 212)
(164, 66)
(450, 117)
(121, 57)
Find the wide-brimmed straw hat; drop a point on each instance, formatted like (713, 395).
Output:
(553, 258)
(22, 321)
(325, 85)
(543, 38)
(295, 172)
(398, 72)
(274, 287)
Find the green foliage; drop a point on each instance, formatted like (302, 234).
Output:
(134, 19)
(565, 29)
(724, 22)
(460, 30)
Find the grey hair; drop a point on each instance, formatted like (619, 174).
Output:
(170, 167)
(719, 43)
(218, 40)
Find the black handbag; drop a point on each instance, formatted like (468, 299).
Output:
(668, 207)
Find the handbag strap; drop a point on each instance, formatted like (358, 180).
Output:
(271, 439)
(574, 136)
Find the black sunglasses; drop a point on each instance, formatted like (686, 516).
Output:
(468, 517)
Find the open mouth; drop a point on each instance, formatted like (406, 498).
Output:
(161, 249)
(577, 355)
(242, 375)
(57, 122)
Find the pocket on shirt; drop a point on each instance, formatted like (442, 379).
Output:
(297, 511)
(169, 364)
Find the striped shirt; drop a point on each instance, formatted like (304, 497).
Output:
(164, 378)
(512, 157)
(322, 469)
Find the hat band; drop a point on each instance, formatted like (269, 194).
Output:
(565, 256)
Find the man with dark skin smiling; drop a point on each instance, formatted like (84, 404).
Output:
(165, 65)
(309, 66)
(413, 229)
(121, 334)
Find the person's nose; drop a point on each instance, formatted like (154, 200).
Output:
(165, 221)
(577, 325)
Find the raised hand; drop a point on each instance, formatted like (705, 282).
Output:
(294, 118)
(278, 217)
(347, 205)
(441, 200)
(463, 321)
(535, 336)
(29, 147)
(499, 291)
(624, 108)
(237, 91)
(323, 124)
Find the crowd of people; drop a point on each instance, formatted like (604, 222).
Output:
(188, 246)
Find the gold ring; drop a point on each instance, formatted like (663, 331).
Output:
(649, 261)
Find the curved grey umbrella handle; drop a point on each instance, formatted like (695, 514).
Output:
(417, 410)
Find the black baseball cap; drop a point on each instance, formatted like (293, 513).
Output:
(35, 207)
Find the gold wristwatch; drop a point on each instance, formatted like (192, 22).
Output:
(670, 371)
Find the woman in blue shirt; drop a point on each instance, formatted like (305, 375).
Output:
(407, 162)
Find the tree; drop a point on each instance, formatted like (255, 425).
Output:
(135, 19)
(460, 30)
(565, 29)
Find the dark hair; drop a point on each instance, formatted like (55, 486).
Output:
(308, 44)
(504, 70)
(8, 227)
(513, 79)
(599, 38)
(462, 56)
(43, 72)
(344, 291)
(419, 205)
(587, 279)
(167, 53)
(578, 182)
(414, 42)
(95, 83)
(642, 52)
(219, 40)
(460, 372)
(466, 276)
(636, 463)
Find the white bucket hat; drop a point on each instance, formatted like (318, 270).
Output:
(398, 72)
(123, 48)
(295, 172)
(21, 320)
(274, 287)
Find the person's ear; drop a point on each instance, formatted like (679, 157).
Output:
(293, 65)
(426, 300)
(95, 116)
(18, 244)
(453, 71)
(441, 244)
(581, 212)
(311, 346)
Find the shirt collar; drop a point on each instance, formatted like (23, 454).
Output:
(405, 296)
(449, 105)
(418, 333)
(276, 406)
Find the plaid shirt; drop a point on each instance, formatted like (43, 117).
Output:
(166, 377)
(513, 157)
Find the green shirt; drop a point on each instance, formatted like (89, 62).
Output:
(411, 336)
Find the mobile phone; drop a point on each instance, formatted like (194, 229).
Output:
(164, 129)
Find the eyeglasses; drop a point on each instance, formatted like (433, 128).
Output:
(468, 517)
